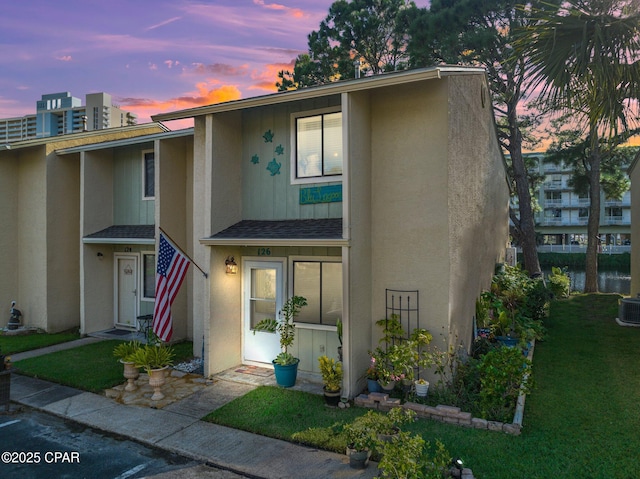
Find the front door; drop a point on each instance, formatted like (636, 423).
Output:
(126, 291)
(263, 291)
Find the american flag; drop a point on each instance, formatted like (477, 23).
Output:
(171, 270)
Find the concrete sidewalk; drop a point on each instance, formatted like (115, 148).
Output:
(177, 428)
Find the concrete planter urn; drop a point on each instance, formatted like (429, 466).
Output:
(157, 379)
(131, 373)
(156, 360)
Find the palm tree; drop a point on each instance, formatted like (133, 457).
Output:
(584, 58)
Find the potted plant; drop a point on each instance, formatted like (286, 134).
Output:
(368, 432)
(331, 371)
(124, 352)
(422, 387)
(388, 425)
(361, 438)
(285, 365)
(372, 375)
(155, 359)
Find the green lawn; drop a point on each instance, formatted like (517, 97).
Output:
(11, 344)
(582, 419)
(91, 367)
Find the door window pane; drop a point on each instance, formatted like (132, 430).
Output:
(263, 295)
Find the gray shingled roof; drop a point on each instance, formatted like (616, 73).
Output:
(284, 229)
(125, 232)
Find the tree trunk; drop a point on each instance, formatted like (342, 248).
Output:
(593, 226)
(526, 223)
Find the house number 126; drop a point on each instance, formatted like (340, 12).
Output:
(264, 251)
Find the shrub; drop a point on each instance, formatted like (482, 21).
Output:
(408, 456)
(503, 373)
(559, 282)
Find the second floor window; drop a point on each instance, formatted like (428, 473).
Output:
(148, 174)
(318, 146)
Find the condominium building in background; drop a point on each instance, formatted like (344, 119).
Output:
(60, 114)
(563, 214)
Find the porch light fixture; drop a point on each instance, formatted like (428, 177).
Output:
(231, 266)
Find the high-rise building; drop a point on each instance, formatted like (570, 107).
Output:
(60, 114)
(563, 213)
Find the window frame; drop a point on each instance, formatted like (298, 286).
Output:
(144, 154)
(292, 291)
(144, 255)
(294, 147)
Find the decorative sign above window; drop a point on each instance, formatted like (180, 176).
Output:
(321, 194)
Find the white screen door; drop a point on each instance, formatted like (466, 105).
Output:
(263, 285)
(126, 300)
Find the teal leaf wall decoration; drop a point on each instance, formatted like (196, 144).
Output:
(279, 150)
(255, 159)
(268, 136)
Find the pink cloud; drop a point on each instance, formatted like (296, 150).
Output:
(266, 78)
(204, 95)
(65, 58)
(294, 12)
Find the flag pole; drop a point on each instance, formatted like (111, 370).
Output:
(183, 252)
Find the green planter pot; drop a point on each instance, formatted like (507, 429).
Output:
(286, 375)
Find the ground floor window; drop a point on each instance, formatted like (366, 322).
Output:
(148, 276)
(321, 283)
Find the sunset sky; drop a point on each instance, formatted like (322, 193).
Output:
(151, 56)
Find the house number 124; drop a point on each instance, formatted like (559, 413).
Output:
(264, 251)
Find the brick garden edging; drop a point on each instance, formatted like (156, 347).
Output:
(448, 414)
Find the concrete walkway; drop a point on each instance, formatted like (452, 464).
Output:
(177, 427)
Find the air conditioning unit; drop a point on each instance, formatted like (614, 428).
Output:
(629, 311)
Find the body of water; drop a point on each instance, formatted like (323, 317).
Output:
(608, 281)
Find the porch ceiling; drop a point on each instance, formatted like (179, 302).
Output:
(281, 232)
(123, 234)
